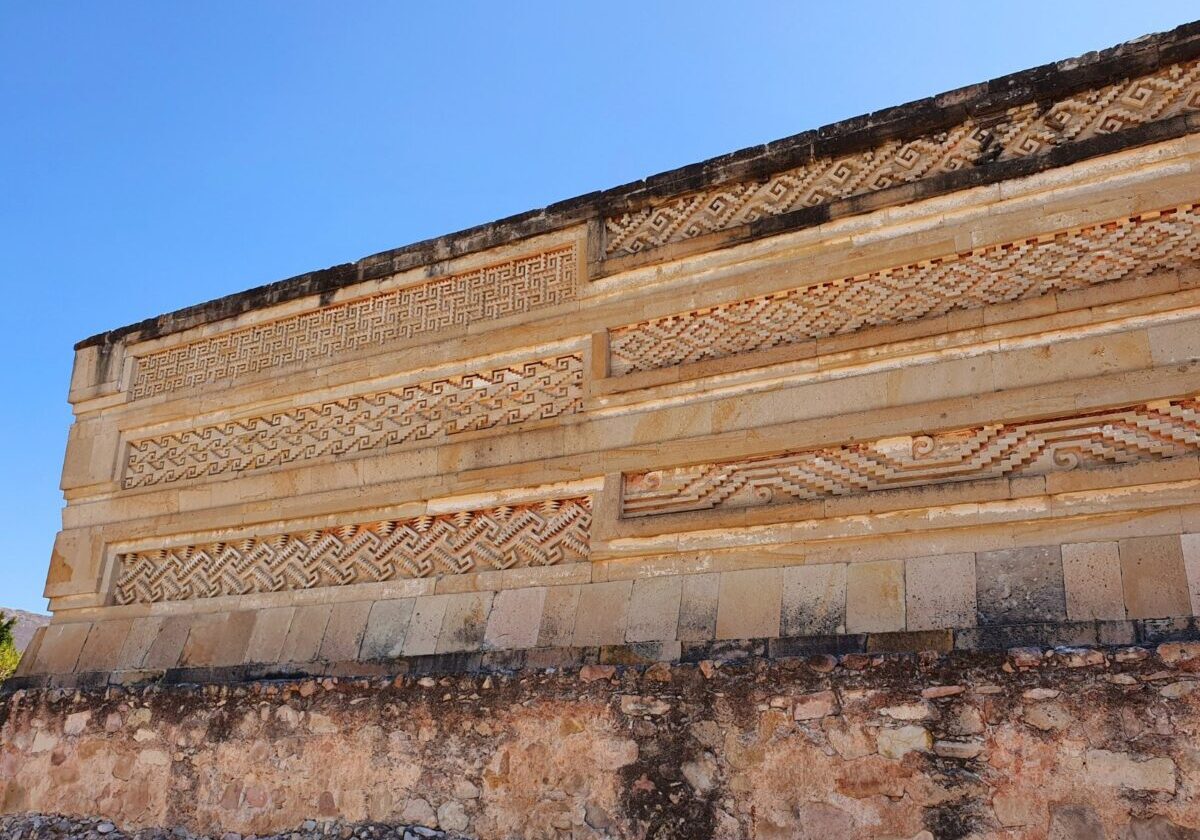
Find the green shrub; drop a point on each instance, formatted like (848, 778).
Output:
(9, 657)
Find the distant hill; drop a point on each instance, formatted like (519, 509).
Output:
(27, 622)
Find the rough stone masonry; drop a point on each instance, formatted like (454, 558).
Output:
(535, 529)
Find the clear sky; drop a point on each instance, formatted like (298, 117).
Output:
(158, 154)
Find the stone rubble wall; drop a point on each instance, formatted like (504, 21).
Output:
(1031, 744)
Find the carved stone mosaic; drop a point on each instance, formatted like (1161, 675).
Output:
(1150, 431)
(520, 285)
(1129, 247)
(1022, 131)
(541, 534)
(424, 411)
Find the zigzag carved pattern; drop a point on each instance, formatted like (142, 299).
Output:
(1134, 246)
(521, 285)
(540, 534)
(1151, 431)
(1023, 131)
(427, 410)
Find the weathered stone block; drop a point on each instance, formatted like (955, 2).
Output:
(750, 604)
(654, 609)
(1020, 585)
(558, 616)
(814, 600)
(515, 619)
(465, 622)
(698, 607)
(1153, 576)
(940, 591)
(602, 613)
(305, 633)
(387, 626)
(875, 596)
(1092, 580)
(344, 631)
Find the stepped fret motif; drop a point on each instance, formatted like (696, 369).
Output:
(1151, 431)
(409, 414)
(541, 534)
(1134, 246)
(1023, 131)
(521, 285)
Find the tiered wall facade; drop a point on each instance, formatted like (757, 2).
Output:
(924, 380)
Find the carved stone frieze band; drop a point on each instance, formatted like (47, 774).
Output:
(541, 534)
(1023, 131)
(525, 284)
(423, 411)
(1150, 431)
(1133, 246)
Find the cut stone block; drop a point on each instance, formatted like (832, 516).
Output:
(516, 618)
(875, 596)
(603, 611)
(1153, 576)
(267, 638)
(654, 609)
(814, 600)
(1092, 579)
(558, 616)
(698, 607)
(940, 592)
(750, 604)
(387, 625)
(344, 632)
(102, 650)
(465, 622)
(1020, 585)
(307, 629)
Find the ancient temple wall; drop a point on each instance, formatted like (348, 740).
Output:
(927, 379)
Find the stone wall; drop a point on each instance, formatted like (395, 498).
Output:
(1070, 743)
(930, 371)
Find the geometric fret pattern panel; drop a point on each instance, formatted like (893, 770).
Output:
(1022, 131)
(519, 285)
(408, 414)
(1165, 429)
(541, 534)
(1128, 247)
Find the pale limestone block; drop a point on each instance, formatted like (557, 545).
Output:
(940, 591)
(654, 609)
(875, 596)
(698, 607)
(267, 638)
(1191, 564)
(60, 648)
(102, 650)
(387, 626)
(307, 629)
(232, 632)
(425, 625)
(1092, 577)
(558, 616)
(465, 622)
(344, 632)
(516, 618)
(1153, 577)
(602, 614)
(814, 600)
(142, 634)
(750, 604)
(1174, 343)
(167, 648)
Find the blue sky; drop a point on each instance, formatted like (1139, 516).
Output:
(155, 155)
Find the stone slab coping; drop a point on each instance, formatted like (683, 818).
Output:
(933, 113)
(1078, 634)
